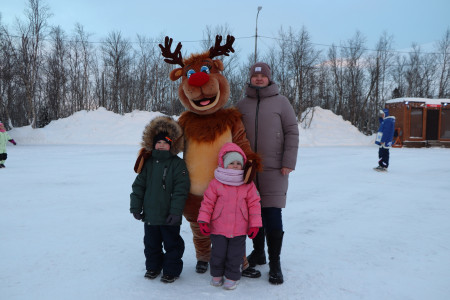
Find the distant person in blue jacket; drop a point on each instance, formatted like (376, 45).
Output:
(384, 139)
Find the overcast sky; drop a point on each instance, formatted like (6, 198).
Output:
(327, 22)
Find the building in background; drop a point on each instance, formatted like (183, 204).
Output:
(420, 122)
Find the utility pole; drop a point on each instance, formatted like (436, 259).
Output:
(256, 32)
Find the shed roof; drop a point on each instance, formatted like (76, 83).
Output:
(426, 100)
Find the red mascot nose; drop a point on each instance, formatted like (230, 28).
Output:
(198, 79)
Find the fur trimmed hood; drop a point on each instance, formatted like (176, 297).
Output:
(163, 124)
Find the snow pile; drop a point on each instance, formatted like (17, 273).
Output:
(328, 129)
(89, 127)
(105, 127)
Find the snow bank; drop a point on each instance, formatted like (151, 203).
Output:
(328, 129)
(105, 127)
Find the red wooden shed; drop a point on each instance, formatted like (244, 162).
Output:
(421, 122)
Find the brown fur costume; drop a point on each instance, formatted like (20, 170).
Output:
(207, 126)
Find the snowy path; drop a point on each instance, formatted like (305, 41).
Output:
(351, 233)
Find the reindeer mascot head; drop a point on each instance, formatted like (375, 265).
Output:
(207, 125)
(203, 89)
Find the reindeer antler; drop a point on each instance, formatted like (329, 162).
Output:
(173, 58)
(218, 50)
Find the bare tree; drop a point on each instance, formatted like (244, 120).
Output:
(116, 59)
(378, 66)
(429, 69)
(143, 63)
(301, 66)
(420, 72)
(7, 76)
(398, 74)
(337, 71)
(56, 79)
(443, 48)
(32, 34)
(354, 74)
(324, 85)
(386, 57)
(80, 64)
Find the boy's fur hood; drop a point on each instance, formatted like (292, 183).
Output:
(163, 124)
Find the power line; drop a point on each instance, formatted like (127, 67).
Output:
(243, 38)
(347, 47)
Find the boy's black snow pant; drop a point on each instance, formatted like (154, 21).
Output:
(157, 236)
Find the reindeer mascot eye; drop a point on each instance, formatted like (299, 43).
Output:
(189, 73)
(205, 69)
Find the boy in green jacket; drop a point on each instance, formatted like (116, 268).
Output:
(158, 198)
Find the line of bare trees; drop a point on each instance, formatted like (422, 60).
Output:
(46, 74)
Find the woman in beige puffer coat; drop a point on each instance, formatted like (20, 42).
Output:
(272, 129)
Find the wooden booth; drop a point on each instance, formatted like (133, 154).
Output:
(420, 122)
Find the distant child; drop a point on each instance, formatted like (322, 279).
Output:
(384, 139)
(230, 210)
(4, 136)
(158, 198)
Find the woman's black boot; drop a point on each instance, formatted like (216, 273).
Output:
(274, 242)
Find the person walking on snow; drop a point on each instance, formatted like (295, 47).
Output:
(4, 136)
(384, 139)
(230, 210)
(158, 198)
(272, 129)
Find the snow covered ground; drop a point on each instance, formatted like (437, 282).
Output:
(351, 233)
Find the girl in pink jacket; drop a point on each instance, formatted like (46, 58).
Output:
(230, 210)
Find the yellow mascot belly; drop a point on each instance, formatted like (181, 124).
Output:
(201, 160)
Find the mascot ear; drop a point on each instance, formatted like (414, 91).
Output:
(218, 64)
(249, 171)
(176, 74)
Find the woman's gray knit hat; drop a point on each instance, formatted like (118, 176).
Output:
(261, 68)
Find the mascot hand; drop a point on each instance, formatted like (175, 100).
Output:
(143, 155)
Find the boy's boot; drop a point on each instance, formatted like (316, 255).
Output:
(274, 242)
(258, 255)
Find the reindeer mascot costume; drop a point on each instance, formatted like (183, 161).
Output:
(207, 126)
